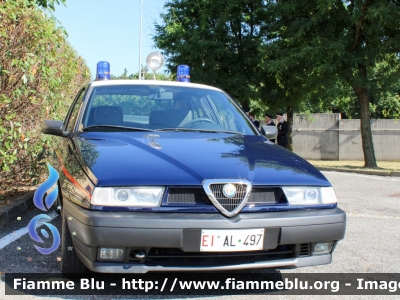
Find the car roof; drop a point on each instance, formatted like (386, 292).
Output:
(152, 82)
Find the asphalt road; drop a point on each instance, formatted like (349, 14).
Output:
(371, 245)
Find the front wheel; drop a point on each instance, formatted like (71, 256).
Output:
(58, 203)
(58, 207)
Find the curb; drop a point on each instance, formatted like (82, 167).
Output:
(365, 172)
(18, 207)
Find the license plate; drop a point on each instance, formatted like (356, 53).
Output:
(232, 240)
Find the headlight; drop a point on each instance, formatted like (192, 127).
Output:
(309, 195)
(137, 196)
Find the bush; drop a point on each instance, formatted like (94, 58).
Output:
(40, 73)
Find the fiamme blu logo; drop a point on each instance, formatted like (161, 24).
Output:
(44, 203)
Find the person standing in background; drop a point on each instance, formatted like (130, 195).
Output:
(255, 122)
(283, 128)
(269, 122)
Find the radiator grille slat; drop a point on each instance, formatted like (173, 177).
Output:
(304, 250)
(262, 196)
(230, 204)
(187, 196)
(197, 196)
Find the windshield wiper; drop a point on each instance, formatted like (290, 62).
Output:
(116, 127)
(199, 130)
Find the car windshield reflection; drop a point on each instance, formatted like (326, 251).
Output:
(152, 108)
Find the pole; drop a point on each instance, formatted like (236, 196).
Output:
(140, 42)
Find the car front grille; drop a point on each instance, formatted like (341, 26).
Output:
(230, 204)
(187, 196)
(197, 196)
(173, 256)
(304, 250)
(262, 197)
(159, 256)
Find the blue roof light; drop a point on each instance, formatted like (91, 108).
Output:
(103, 71)
(183, 73)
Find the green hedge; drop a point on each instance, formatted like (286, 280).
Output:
(40, 73)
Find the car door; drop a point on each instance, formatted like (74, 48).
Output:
(71, 173)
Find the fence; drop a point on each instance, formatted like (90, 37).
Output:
(327, 137)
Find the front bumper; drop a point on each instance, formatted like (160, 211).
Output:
(146, 230)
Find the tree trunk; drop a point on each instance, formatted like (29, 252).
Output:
(289, 115)
(366, 131)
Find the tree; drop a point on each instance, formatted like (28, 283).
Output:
(218, 39)
(344, 40)
(50, 4)
(147, 76)
(292, 55)
(40, 74)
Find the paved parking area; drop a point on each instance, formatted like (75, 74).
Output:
(372, 241)
(371, 245)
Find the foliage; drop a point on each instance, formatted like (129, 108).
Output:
(147, 76)
(219, 39)
(40, 73)
(281, 76)
(292, 55)
(50, 4)
(353, 42)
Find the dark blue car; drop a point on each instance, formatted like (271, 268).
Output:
(171, 176)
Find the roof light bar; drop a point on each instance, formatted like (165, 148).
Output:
(103, 71)
(183, 73)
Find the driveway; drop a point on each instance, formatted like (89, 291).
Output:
(371, 245)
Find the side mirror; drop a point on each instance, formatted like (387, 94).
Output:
(270, 132)
(53, 127)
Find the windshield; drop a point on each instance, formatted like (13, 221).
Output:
(163, 108)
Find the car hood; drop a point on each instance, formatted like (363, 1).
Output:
(188, 158)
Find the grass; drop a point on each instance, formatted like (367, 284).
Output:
(354, 164)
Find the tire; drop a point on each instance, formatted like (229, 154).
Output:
(58, 203)
(70, 263)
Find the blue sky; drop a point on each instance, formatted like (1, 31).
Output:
(101, 30)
